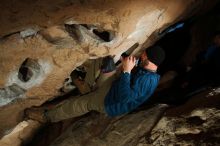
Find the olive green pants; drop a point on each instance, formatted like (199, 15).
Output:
(80, 105)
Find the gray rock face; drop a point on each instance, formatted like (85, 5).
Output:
(9, 93)
(200, 127)
(97, 130)
(40, 46)
(194, 123)
(35, 61)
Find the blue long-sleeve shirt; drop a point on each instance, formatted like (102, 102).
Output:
(129, 91)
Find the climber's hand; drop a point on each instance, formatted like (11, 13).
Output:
(128, 63)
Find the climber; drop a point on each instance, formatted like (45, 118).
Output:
(115, 96)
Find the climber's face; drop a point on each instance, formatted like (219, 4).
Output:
(144, 59)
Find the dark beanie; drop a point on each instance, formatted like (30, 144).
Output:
(155, 54)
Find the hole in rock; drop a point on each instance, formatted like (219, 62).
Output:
(195, 120)
(86, 26)
(25, 74)
(104, 35)
(74, 31)
(28, 68)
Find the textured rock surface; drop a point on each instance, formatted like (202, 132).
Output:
(45, 40)
(102, 131)
(195, 123)
(21, 134)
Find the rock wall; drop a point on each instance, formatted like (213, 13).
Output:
(102, 131)
(22, 134)
(43, 41)
(194, 123)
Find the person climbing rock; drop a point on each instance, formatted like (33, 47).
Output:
(115, 95)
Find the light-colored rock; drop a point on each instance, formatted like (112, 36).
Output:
(28, 32)
(195, 123)
(65, 38)
(21, 134)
